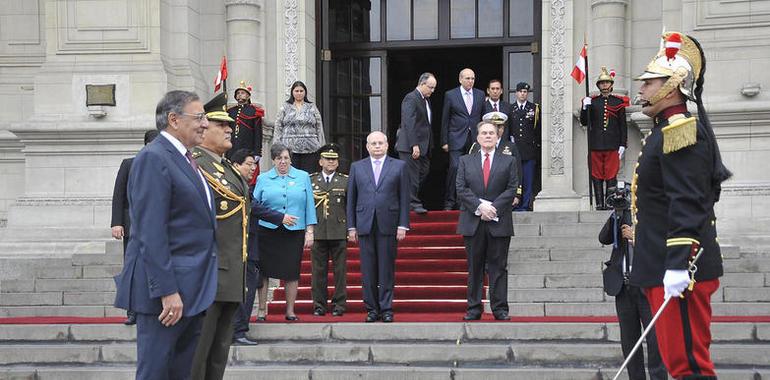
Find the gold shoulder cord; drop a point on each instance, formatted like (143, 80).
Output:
(322, 198)
(229, 195)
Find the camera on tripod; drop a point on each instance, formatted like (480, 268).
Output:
(619, 197)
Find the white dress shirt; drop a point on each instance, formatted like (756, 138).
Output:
(183, 151)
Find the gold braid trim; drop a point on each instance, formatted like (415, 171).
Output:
(230, 195)
(322, 198)
(537, 113)
(680, 133)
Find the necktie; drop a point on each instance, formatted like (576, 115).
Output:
(468, 102)
(377, 170)
(328, 179)
(494, 107)
(192, 161)
(485, 169)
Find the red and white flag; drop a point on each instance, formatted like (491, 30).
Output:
(579, 71)
(221, 75)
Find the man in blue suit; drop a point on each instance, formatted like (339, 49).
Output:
(462, 110)
(378, 217)
(170, 273)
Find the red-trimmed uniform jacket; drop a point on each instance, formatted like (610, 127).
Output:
(608, 122)
(247, 128)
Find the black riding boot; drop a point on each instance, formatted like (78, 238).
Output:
(598, 193)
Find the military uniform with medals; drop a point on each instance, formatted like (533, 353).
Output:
(526, 132)
(330, 236)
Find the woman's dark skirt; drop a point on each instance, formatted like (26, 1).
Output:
(280, 252)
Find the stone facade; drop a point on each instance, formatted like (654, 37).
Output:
(58, 158)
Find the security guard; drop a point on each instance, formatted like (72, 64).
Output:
(607, 135)
(330, 193)
(676, 182)
(246, 124)
(499, 119)
(526, 132)
(232, 208)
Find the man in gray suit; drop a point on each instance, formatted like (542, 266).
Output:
(378, 217)
(486, 184)
(414, 136)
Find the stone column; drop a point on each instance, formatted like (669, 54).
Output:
(609, 42)
(556, 109)
(245, 47)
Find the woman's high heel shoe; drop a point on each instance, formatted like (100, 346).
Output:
(261, 315)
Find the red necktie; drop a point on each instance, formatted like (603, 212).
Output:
(485, 169)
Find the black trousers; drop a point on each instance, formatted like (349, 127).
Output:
(633, 315)
(322, 251)
(214, 344)
(378, 270)
(450, 196)
(484, 249)
(418, 171)
(243, 314)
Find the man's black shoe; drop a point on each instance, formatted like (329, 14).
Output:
(318, 312)
(420, 210)
(502, 316)
(472, 316)
(130, 319)
(387, 317)
(244, 341)
(337, 312)
(371, 317)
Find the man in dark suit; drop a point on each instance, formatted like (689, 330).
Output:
(486, 184)
(526, 132)
(461, 112)
(170, 274)
(414, 136)
(121, 223)
(378, 217)
(506, 147)
(496, 103)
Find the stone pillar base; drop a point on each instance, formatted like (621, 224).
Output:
(558, 201)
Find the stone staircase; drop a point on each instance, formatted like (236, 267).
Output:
(554, 268)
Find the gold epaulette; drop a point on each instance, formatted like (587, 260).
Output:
(342, 175)
(681, 132)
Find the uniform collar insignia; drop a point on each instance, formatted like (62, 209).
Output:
(219, 167)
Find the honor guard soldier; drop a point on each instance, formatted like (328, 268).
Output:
(330, 193)
(606, 135)
(231, 201)
(526, 132)
(676, 182)
(247, 124)
(499, 119)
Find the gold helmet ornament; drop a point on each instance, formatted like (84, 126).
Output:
(244, 87)
(679, 60)
(606, 76)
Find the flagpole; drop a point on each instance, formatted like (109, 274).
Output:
(224, 80)
(588, 133)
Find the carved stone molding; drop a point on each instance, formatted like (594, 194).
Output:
(291, 59)
(242, 2)
(556, 127)
(62, 201)
(124, 32)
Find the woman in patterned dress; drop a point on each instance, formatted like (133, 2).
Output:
(299, 127)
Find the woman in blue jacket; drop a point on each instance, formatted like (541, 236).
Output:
(284, 189)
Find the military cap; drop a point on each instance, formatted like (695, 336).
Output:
(495, 117)
(330, 151)
(522, 86)
(216, 108)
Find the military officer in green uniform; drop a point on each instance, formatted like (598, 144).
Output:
(232, 208)
(330, 193)
(506, 147)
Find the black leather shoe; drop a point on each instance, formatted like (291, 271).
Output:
(130, 319)
(244, 341)
(371, 317)
(318, 312)
(472, 316)
(387, 317)
(503, 316)
(292, 318)
(337, 313)
(420, 210)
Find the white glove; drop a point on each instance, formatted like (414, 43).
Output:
(675, 282)
(621, 150)
(257, 158)
(586, 102)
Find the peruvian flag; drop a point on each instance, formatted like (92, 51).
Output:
(221, 75)
(579, 71)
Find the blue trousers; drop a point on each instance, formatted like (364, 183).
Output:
(165, 353)
(527, 179)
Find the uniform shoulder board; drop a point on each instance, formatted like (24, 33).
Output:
(314, 174)
(196, 154)
(343, 175)
(681, 132)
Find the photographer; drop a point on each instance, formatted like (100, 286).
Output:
(630, 303)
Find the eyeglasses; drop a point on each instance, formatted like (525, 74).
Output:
(197, 116)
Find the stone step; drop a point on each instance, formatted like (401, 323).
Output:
(48, 234)
(26, 268)
(379, 353)
(466, 332)
(548, 242)
(388, 372)
(49, 249)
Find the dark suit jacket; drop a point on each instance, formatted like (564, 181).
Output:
(612, 273)
(173, 246)
(388, 201)
(505, 108)
(458, 127)
(415, 128)
(501, 189)
(120, 197)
